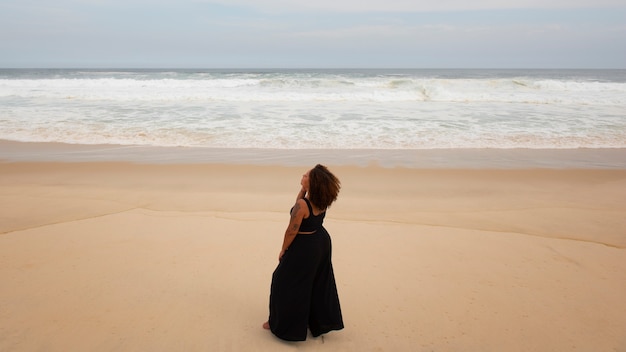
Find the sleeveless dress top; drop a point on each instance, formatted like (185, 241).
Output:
(313, 222)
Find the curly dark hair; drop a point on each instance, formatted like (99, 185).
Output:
(323, 187)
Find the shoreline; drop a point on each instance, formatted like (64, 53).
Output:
(11, 151)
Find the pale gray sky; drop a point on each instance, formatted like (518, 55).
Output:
(310, 34)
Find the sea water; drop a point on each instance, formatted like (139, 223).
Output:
(317, 109)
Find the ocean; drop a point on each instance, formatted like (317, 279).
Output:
(340, 109)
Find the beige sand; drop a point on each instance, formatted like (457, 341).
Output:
(125, 257)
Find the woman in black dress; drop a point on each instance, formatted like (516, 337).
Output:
(303, 291)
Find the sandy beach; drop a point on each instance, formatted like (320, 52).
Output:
(116, 256)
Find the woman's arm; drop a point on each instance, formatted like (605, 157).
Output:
(297, 214)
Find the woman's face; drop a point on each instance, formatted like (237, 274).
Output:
(305, 180)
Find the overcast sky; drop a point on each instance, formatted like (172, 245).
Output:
(313, 33)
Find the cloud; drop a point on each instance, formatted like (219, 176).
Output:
(356, 6)
(254, 33)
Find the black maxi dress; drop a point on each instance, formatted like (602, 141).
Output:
(303, 291)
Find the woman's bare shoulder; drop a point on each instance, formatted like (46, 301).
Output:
(301, 207)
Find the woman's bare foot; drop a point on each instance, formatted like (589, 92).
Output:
(266, 325)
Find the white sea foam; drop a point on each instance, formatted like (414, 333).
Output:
(383, 89)
(300, 109)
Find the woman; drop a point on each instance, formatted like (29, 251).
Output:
(303, 292)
